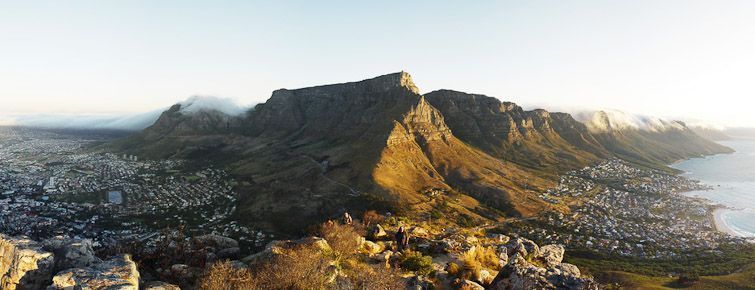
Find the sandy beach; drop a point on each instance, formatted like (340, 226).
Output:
(718, 221)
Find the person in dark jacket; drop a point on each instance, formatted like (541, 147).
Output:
(402, 239)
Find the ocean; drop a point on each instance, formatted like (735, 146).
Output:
(733, 179)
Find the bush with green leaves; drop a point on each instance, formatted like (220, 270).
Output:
(415, 261)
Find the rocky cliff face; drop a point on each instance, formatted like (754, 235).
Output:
(537, 139)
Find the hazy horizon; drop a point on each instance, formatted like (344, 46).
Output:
(688, 60)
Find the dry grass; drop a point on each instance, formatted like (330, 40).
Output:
(473, 261)
(367, 277)
(224, 276)
(298, 268)
(486, 256)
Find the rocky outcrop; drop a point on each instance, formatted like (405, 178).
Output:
(117, 273)
(70, 253)
(522, 246)
(551, 255)
(521, 273)
(159, 285)
(24, 264)
(469, 285)
(376, 232)
(215, 241)
(216, 247)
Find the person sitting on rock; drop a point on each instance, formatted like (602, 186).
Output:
(347, 220)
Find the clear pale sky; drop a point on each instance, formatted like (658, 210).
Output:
(675, 58)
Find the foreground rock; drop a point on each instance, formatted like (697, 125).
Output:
(24, 264)
(71, 253)
(552, 255)
(117, 273)
(158, 285)
(522, 274)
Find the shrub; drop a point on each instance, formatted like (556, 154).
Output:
(369, 217)
(343, 239)
(487, 257)
(470, 268)
(436, 214)
(688, 279)
(473, 261)
(224, 276)
(364, 276)
(453, 269)
(415, 261)
(302, 267)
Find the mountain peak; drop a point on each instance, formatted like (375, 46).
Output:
(394, 80)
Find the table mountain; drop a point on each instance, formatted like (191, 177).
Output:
(306, 154)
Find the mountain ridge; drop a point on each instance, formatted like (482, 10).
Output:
(308, 153)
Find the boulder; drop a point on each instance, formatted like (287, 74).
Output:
(521, 274)
(216, 241)
(485, 277)
(552, 255)
(184, 272)
(523, 246)
(500, 238)
(419, 283)
(444, 246)
(376, 232)
(418, 232)
(469, 285)
(384, 256)
(71, 253)
(24, 264)
(229, 253)
(370, 248)
(117, 273)
(503, 258)
(160, 285)
(569, 269)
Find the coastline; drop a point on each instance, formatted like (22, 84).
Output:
(720, 224)
(717, 212)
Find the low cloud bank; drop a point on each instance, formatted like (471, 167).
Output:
(606, 120)
(130, 122)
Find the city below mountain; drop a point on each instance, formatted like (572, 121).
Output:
(365, 185)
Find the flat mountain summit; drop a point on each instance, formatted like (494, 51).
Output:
(307, 154)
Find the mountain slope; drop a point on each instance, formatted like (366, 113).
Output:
(308, 154)
(539, 140)
(376, 139)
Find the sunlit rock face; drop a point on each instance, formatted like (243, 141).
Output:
(61, 263)
(117, 273)
(24, 264)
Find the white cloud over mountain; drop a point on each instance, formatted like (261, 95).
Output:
(132, 122)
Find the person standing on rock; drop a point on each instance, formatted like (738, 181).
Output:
(402, 239)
